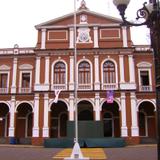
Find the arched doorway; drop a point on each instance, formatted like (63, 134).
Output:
(58, 121)
(24, 121)
(85, 111)
(146, 116)
(110, 117)
(4, 120)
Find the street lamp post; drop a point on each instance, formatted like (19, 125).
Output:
(150, 13)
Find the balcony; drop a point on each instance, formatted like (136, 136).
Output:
(3, 90)
(25, 90)
(109, 86)
(145, 88)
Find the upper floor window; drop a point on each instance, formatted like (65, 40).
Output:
(144, 76)
(59, 73)
(84, 73)
(26, 80)
(3, 80)
(109, 75)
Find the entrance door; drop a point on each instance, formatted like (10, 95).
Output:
(142, 124)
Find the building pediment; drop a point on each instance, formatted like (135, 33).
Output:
(25, 67)
(4, 67)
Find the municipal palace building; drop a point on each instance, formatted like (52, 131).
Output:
(107, 60)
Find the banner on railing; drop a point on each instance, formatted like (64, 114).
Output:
(110, 96)
(56, 92)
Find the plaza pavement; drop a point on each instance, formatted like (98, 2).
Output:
(24, 152)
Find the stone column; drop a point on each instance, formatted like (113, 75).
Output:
(71, 107)
(43, 39)
(14, 76)
(124, 35)
(46, 111)
(71, 40)
(71, 78)
(131, 69)
(96, 66)
(36, 116)
(97, 107)
(121, 62)
(95, 37)
(124, 130)
(134, 127)
(47, 69)
(12, 117)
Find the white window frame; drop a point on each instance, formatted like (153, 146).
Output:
(5, 70)
(58, 86)
(109, 86)
(145, 66)
(20, 81)
(85, 86)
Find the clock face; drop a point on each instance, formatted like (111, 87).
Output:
(83, 37)
(83, 18)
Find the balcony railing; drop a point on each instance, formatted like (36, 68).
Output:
(59, 87)
(109, 86)
(3, 90)
(145, 88)
(84, 86)
(25, 90)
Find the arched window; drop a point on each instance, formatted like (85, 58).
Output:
(109, 75)
(59, 73)
(84, 73)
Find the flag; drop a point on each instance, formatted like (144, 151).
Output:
(56, 92)
(109, 96)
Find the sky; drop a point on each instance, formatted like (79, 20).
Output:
(19, 17)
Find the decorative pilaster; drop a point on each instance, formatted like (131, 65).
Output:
(71, 82)
(134, 128)
(43, 39)
(36, 116)
(124, 35)
(97, 107)
(46, 83)
(131, 69)
(124, 129)
(37, 72)
(71, 39)
(12, 117)
(46, 111)
(96, 66)
(95, 37)
(71, 107)
(121, 62)
(14, 77)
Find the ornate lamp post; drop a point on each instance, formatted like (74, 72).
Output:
(150, 14)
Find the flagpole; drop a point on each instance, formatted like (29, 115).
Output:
(76, 152)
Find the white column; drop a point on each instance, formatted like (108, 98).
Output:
(46, 110)
(43, 39)
(131, 69)
(36, 116)
(71, 107)
(71, 78)
(97, 107)
(71, 39)
(124, 130)
(95, 37)
(96, 66)
(134, 127)
(14, 76)
(121, 62)
(124, 34)
(12, 117)
(47, 61)
(37, 71)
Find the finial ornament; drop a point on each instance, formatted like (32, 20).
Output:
(83, 5)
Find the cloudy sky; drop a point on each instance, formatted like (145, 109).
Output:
(18, 18)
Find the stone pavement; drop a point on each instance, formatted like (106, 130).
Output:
(23, 152)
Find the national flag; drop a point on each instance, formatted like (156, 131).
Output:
(56, 92)
(109, 96)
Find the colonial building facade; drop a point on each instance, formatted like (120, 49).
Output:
(107, 60)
